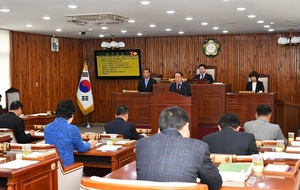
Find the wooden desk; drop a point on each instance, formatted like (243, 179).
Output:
(30, 120)
(129, 172)
(108, 161)
(42, 175)
(5, 138)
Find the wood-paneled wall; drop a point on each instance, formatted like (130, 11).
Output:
(44, 77)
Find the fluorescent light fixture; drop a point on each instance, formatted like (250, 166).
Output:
(4, 10)
(29, 25)
(101, 36)
(73, 6)
(204, 23)
(131, 21)
(180, 32)
(46, 17)
(58, 30)
(152, 25)
(168, 29)
(216, 28)
(251, 16)
(271, 30)
(189, 18)
(139, 34)
(241, 9)
(123, 31)
(170, 12)
(267, 26)
(225, 31)
(260, 21)
(145, 2)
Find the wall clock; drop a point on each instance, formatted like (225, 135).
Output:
(211, 47)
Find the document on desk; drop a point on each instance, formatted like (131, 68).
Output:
(108, 148)
(16, 164)
(238, 172)
(273, 155)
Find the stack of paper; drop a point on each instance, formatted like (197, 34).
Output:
(108, 148)
(235, 174)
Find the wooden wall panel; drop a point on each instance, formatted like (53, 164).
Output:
(57, 73)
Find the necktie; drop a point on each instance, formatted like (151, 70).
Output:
(178, 87)
(146, 83)
(201, 76)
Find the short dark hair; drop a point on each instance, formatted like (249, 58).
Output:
(178, 73)
(254, 74)
(0, 96)
(147, 69)
(122, 110)
(202, 65)
(264, 110)
(173, 117)
(65, 109)
(16, 105)
(229, 120)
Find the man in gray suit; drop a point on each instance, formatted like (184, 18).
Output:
(170, 156)
(261, 127)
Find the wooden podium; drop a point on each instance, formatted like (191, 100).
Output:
(167, 99)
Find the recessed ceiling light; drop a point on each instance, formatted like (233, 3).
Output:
(180, 32)
(267, 26)
(168, 29)
(145, 2)
(271, 30)
(152, 25)
(139, 34)
(4, 10)
(189, 18)
(225, 31)
(123, 31)
(58, 30)
(216, 28)
(73, 6)
(272, 23)
(29, 25)
(90, 29)
(131, 21)
(101, 36)
(240, 8)
(46, 17)
(170, 12)
(251, 16)
(204, 23)
(104, 28)
(260, 21)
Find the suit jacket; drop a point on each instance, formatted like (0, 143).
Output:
(263, 130)
(185, 89)
(149, 88)
(0, 110)
(12, 121)
(228, 141)
(169, 157)
(120, 126)
(259, 86)
(206, 76)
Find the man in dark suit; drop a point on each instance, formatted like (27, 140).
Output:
(179, 86)
(12, 121)
(203, 74)
(146, 84)
(121, 126)
(254, 84)
(229, 140)
(171, 156)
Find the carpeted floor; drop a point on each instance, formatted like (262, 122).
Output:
(94, 128)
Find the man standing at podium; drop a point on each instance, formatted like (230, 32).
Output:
(146, 84)
(203, 74)
(179, 86)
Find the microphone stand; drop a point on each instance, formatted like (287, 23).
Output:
(87, 122)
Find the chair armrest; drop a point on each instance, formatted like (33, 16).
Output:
(71, 168)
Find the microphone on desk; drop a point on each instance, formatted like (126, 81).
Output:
(181, 86)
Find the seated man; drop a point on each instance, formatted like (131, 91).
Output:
(179, 86)
(228, 140)
(13, 121)
(146, 84)
(261, 127)
(121, 126)
(203, 74)
(171, 156)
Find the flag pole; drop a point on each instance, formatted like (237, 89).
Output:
(88, 122)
